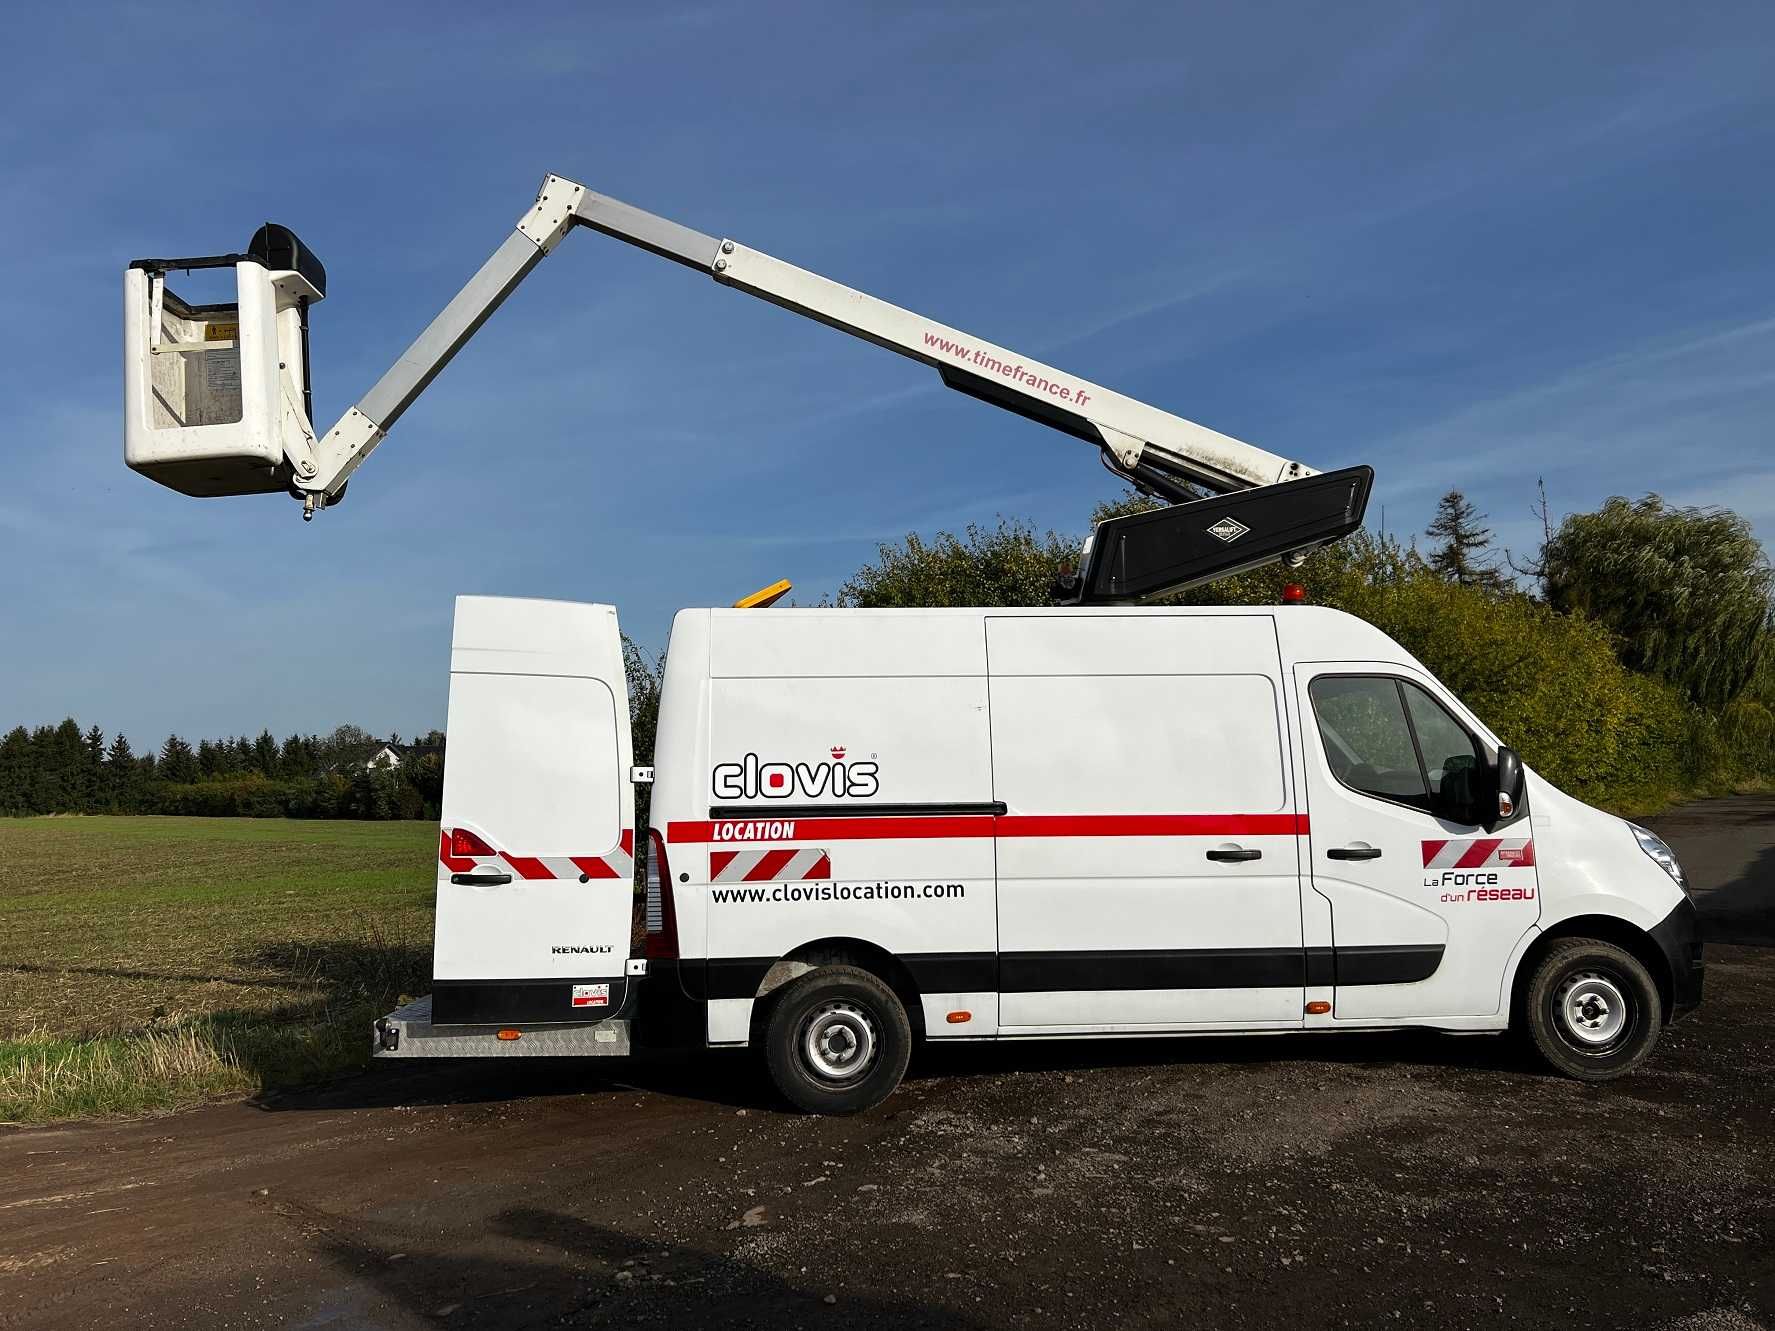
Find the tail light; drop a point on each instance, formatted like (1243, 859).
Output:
(662, 911)
(464, 843)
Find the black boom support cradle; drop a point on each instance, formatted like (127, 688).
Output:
(1142, 555)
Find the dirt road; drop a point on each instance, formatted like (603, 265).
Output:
(1302, 1181)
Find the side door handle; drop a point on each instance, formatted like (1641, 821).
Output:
(481, 878)
(1234, 854)
(1353, 853)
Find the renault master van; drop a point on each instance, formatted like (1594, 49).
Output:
(871, 828)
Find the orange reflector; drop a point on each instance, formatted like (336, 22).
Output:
(1318, 1008)
(1294, 594)
(509, 1034)
(957, 1018)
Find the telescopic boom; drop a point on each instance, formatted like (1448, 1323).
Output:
(1165, 456)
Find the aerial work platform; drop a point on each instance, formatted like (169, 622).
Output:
(218, 399)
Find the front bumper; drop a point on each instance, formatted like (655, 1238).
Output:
(1678, 936)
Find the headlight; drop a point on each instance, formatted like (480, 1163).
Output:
(1653, 845)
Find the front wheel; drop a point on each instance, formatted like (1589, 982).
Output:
(1592, 1010)
(837, 1041)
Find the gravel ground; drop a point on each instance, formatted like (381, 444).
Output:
(1308, 1181)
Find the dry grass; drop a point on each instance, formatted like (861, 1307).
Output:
(151, 962)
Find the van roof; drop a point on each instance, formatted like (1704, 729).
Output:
(798, 640)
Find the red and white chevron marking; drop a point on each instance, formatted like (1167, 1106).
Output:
(757, 866)
(618, 864)
(1480, 853)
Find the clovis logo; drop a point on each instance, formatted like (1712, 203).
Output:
(753, 778)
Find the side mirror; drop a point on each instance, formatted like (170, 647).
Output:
(1509, 780)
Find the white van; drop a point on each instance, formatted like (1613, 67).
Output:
(875, 827)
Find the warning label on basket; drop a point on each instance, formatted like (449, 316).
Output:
(591, 995)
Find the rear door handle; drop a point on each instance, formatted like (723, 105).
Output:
(1353, 853)
(1234, 854)
(481, 878)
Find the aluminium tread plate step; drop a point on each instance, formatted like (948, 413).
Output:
(407, 1032)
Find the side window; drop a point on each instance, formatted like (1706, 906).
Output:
(1389, 738)
(1368, 739)
(1451, 755)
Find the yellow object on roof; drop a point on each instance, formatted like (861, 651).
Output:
(765, 596)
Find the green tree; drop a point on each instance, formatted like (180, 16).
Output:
(17, 771)
(92, 770)
(122, 777)
(61, 768)
(1010, 564)
(178, 763)
(265, 755)
(375, 793)
(1686, 591)
(1462, 540)
(295, 758)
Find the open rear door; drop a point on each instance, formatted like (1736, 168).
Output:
(536, 851)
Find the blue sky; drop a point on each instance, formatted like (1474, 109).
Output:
(1468, 245)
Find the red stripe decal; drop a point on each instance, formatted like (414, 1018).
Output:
(822, 868)
(838, 829)
(1431, 850)
(985, 825)
(1527, 859)
(1478, 852)
(526, 866)
(1152, 824)
(719, 860)
(628, 841)
(593, 867)
(769, 866)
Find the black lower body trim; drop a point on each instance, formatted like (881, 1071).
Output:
(1678, 936)
(1385, 965)
(519, 1002)
(1055, 972)
(954, 972)
(1192, 968)
(666, 1016)
(932, 972)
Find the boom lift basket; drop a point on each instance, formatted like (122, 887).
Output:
(216, 396)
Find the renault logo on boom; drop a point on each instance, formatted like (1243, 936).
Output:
(752, 778)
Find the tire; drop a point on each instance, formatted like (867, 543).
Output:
(1592, 1010)
(837, 1041)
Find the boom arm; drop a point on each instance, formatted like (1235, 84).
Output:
(1158, 452)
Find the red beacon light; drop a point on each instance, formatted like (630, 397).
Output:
(1294, 594)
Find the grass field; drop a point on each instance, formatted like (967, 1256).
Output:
(150, 962)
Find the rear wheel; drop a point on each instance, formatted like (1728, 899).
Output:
(1592, 1010)
(837, 1041)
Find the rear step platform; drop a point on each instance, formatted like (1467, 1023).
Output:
(1142, 555)
(407, 1032)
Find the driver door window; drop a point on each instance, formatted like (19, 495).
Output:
(1387, 738)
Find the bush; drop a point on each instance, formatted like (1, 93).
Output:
(1685, 590)
(251, 796)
